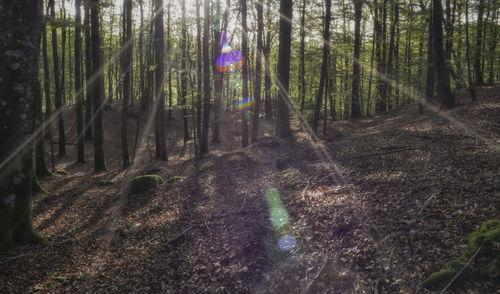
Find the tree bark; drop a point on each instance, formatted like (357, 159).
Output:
(478, 48)
(20, 21)
(97, 88)
(324, 65)
(356, 69)
(206, 79)
(285, 39)
(302, 66)
(467, 53)
(442, 71)
(78, 84)
(184, 72)
(161, 146)
(89, 134)
(57, 84)
(126, 68)
(244, 73)
(258, 71)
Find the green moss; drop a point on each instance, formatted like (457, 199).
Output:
(60, 171)
(102, 183)
(173, 179)
(205, 166)
(488, 237)
(141, 184)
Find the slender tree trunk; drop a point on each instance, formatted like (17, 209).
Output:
(46, 88)
(356, 69)
(161, 146)
(493, 44)
(57, 84)
(16, 160)
(302, 67)
(206, 79)
(184, 73)
(380, 100)
(268, 108)
(78, 84)
(63, 55)
(369, 107)
(467, 53)
(97, 89)
(285, 39)
(442, 71)
(126, 65)
(88, 75)
(244, 73)
(324, 65)
(199, 77)
(479, 38)
(169, 46)
(431, 71)
(258, 72)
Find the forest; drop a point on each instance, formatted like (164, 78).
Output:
(250, 146)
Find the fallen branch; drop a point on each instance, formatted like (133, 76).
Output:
(386, 152)
(460, 272)
(308, 286)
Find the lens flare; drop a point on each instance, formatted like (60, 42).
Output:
(244, 103)
(287, 242)
(229, 59)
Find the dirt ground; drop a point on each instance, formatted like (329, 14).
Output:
(376, 203)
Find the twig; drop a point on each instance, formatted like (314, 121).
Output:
(306, 289)
(178, 236)
(13, 258)
(386, 152)
(460, 272)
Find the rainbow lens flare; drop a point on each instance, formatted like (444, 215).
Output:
(244, 103)
(229, 59)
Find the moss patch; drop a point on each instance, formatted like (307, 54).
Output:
(205, 166)
(488, 237)
(148, 171)
(60, 171)
(142, 184)
(174, 178)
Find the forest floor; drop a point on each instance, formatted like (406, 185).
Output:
(377, 202)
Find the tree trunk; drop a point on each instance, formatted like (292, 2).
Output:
(97, 88)
(442, 71)
(268, 108)
(217, 76)
(78, 84)
(431, 72)
(57, 84)
(126, 68)
(479, 38)
(184, 73)
(88, 75)
(356, 69)
(199, 68)
(258, 71)
(302, 67)
(46, 88)
(169, 115)
(467, 53)
(324, 65)
(20, 21)
(161, 146)
(206, 79)
(244, 73)
(285, 39)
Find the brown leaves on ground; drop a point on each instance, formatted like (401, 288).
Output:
(377, 203)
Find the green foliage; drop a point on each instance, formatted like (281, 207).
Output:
(489, 238)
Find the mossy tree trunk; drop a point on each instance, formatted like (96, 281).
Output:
(19, 49)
